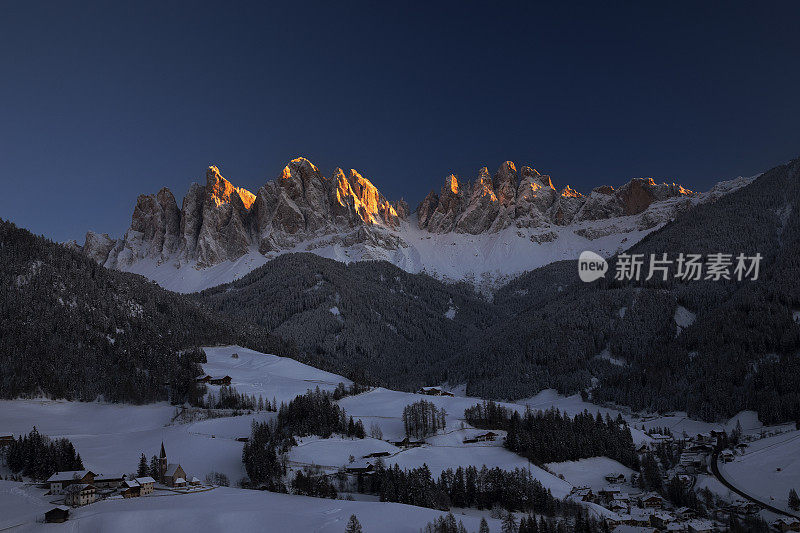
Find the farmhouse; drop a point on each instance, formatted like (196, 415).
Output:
(61, 480)
(131, 489)
(202, 378)
(581, 494)
(434, 391)
(408, 443)
(78, 494)
(609, 493)
(705, 438)
(700, 526)
(57, 515)
(784, 524)
(652, 501)
(359, 468)
(483, 437)
(615, 478)
(6, 440)
(377, 454)
(108, 481)
(726, 456)
(658, 437)
(146, 485)
(635, 529)
(220, 380)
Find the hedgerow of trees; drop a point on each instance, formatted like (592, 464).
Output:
(552, 436)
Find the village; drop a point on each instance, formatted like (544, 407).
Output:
(633, 511)
(78, 488)
(611, 493)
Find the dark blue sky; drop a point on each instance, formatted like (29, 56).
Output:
(101, 102)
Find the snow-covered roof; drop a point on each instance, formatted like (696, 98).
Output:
(180, 480)
(108, 477)
(632, 529)
(78, 488)
(171, 469)
(70, 475)
(131, 483)
(701, 525)
(146, 479)
(195, 480)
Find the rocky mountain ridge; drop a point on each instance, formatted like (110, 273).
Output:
(345, 217)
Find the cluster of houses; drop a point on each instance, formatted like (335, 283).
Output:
(784, 524)
(83, 487)
(642, 512)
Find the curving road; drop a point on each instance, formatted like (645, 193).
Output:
(718, 475)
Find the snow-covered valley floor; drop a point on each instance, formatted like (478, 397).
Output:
(111, 437)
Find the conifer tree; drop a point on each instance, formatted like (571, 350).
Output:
(353, 525)
(509, 523)
(143, 469)
(794, 500)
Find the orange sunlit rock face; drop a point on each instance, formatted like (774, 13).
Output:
(452, 182)
(569, 192)
(219, 190)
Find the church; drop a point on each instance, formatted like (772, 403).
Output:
(170, 474)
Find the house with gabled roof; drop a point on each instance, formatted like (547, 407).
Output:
(109, 481)
(146, 485)
(78, 494)
(61, 480)
(57, 515)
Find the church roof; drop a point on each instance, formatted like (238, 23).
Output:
(171, 469)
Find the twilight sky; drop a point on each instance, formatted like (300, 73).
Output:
(100, 102)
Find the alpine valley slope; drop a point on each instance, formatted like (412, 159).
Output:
(484, 231)
(710, 348)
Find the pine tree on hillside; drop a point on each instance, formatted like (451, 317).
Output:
(353, 525)
(794, 500)
(144, 469)
(509, 523)
(154, 471)
(484, 527)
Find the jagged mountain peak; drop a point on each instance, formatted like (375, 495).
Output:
(346, 217)
(221, 191)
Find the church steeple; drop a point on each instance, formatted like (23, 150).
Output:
(162, 463)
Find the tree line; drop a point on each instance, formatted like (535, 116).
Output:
(551, 436)
(484, 488)
(38, 456)
(423, 418)
(312, 413)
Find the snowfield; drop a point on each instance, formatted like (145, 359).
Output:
(591, 472)
(226, 509)
(485, 260)
(111, 437)
(768, 469)
(270, 376)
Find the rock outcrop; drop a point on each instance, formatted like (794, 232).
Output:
(346, 216)
(528, 199)
(219, 221)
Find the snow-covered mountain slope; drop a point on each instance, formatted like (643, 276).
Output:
(110, 438)
(484, 231)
